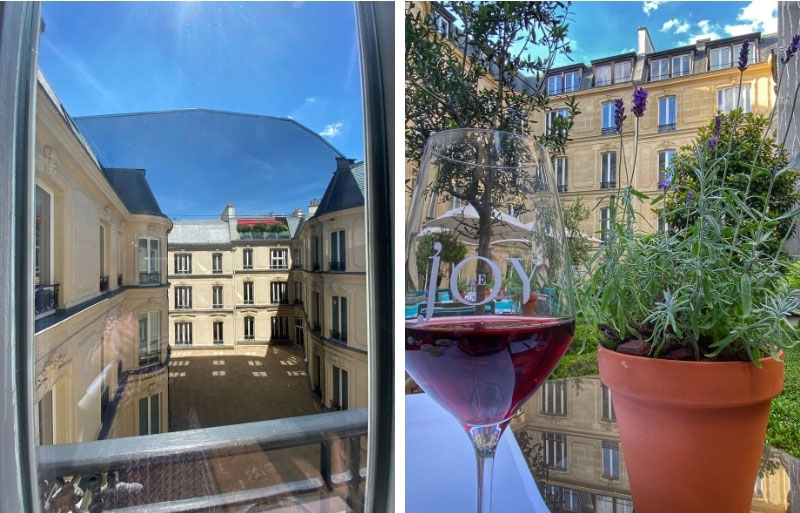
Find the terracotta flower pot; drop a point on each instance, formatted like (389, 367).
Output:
(692, 432)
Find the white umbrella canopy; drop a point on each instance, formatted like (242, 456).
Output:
(465, 221)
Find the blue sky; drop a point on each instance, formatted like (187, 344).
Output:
(288, 59)
(603, 29)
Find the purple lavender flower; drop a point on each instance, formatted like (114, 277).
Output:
(717, 125)
(791, 49)
(619, 113)
(712, 142)
(689, 196)
(743, 55)
(639, 102)
(663, 184)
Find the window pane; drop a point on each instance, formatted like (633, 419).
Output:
(143, 416)
(155, 415)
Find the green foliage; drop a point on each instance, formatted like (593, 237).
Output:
(751, 159)
(574, 214)
(277, 228)
(783, 430)
(452, 250)
(715, 284)
(244, 228)
(793, 276)
(260, 228)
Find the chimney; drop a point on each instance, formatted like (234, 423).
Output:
(229, 213)
(298, 212)
(700, 44)
(312, 206)
(644, 44)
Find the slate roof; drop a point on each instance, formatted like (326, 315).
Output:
(132, 188)
(345, 190)
(199, 232)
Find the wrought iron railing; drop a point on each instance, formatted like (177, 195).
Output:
(608, 185)
(669, 127)
(562, 188)
(280, 301)
(103, 283)
(278, 267)
(149, 358)
(341, 336)
(297, 265)
(149, 277)
(315, 267)
(89, 465)
(608, 130)
(336, 266)
(46, 298)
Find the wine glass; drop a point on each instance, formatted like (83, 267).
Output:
(489, 299)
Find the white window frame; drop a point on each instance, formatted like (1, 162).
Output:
(659, 69)
(279, 258)
(726, 99)
(605, 223)
(572, 81)
(679, 71)
(102, 236)
(555, 84)
(550, 117)
(247, 258)
(603, 70)
(570, 500)
(340, 391)
(442, 25)
(44, 242)
(604, 504)
(624, 505)
(183, 333)
(610, 459)
(554, 397)
(339, 249)
(555, 450)
(667, 110)
(152, 333)
(218, 330)
(607, 411)
(339, 313)
(715, 60)
(217, 296)
(619, 72)
(751, 55)
(216, 258)
(608, 170)
(148, 401)
(608, 126)
(278, 292)
(560, 168)
(298, 291)
(249, 327)
(151, 264)
(248, 292)
(280, 327)
(665, 158)
(183, 298)
(183, 263)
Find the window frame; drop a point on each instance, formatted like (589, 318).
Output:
(560, 168)
(623, 78)
(668, 106)
(249, 327)
(149, 338)
(605, 223)
(665, 158)
(554, 397)
(660, 61)
(279, 326)
(218, 338)
(339, 314)
(247, 258)
(607, 410)
(148, 400)
(217, 290)
(182, 263)
(611, 465)
(248, 292)
(216, 258)
(183, 297)
(604, 66)
(688, 57)
(340, 388)
(718, 51)
(608, 173)
(555, 444)
(727, 95)
(151, 267)
(607, 126)
(184, 329)
(279, 292)
(275, 262)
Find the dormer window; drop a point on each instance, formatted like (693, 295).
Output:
(681, 65)
(670, 67)
(659, 69)
(723, 57)
(565, 82)
(602, 75)
(622, 72)
(442, 25)
(613, 72)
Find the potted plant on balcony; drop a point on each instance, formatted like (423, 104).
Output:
(693, 320)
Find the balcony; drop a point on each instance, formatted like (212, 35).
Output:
(608, 185)
(89, 462)
(216, 271)
(669, 127)
(562, 188)
(217, 306)
(149, 358)
(264, 236)
(119, 280)
(149, 278)
(46, 298)
(339, 336)
(336, 266)
(183, 306)
(247, 266)
(278, 267)
(609, 130)
(104, 284)
(315, 267)
(280, 301)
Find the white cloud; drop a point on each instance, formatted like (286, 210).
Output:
(683, 27)
(332, 130)
(755, 17)
(651, 5)
(703, 29)
(669, 24)
(627, 50)
(312, 99)
(676, 26)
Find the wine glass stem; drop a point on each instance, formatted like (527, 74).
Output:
(485, 440)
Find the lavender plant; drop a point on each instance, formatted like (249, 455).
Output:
(712, 288)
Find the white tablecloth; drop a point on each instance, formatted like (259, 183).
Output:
(441, 475)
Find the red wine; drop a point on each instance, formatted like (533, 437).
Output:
(482, 368)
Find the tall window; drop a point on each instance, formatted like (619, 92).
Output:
(216, 263)
(680, 65)
(604, 504)
(339, 318)
(572, 81)
(608, 119)
(667, 116)
(280, 327)
(560, 166)
(605, 223)
(150, 415)
(720, 58)
(610, 459)
(554, 397)
(608, 178)
(570, 501)
(149, 346)
(218, 339)
(149, 272)
(183, 333)
(624, 505)
(338, 251)
(183, 263)
(665, 166)
(278, 293)
(555, 84)
(622, 71)
(249, 328)
(659, 69)
(43, 234)
(249, 297)
(555, 450)
(726, 99)
(247, 258)
(298, 293)
(183, 298)
(608, 406)
(602, 75)
(103, 254)
(552, 115)
(216, 293)
(317, 372)
(299, 336)
(279, 259)
(340, 388)
(316, 252)
(297, 258)
(46, 419)
(442, 25)
(317, 316)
